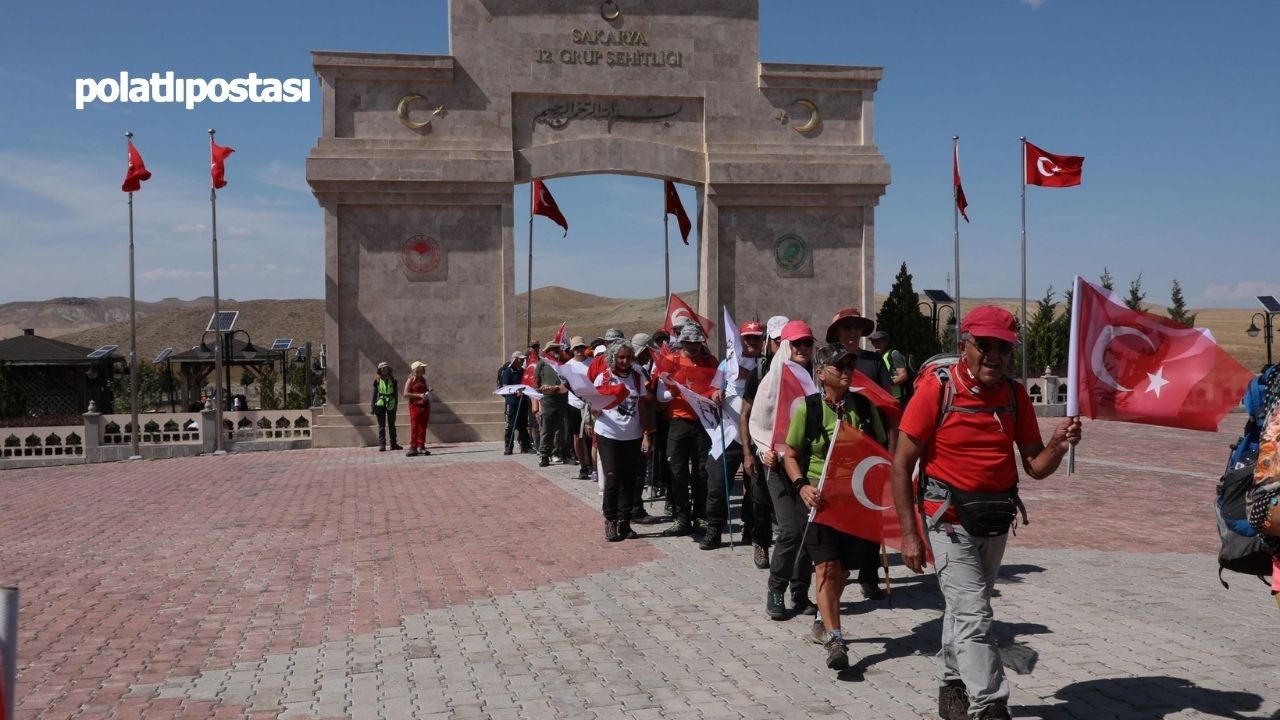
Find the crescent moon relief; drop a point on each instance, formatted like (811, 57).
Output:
(814, 116)
(402, 112)
(1099, 353)
(860, 480)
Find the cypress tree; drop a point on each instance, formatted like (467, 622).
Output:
(910, 331)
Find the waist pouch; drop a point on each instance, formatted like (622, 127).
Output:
(982, 514)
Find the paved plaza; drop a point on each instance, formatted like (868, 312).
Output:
(352, 584)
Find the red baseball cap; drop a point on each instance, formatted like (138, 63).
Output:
(845, 313)
(990, 322)
(751, 327)
(796, 330)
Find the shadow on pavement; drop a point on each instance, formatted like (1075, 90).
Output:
(926, 637)
(1141, 698)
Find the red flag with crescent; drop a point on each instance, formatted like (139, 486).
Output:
(559, 338)
(1132, 366)
(675, 207)
(137, 171)
(961, 202)
(217, 157)
(545, 205)
(857, 495)
(1048, 170)
(679, 312)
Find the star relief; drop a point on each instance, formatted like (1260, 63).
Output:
(1156, 381)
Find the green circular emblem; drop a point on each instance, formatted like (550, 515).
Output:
(791, 252)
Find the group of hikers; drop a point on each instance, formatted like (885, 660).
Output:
(959, 421)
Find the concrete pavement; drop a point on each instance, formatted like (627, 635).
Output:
(356, 584)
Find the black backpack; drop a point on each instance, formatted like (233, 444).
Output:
(1242, 550)
(813, 428)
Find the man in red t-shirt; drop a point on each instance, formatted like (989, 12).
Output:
(968, 447)
(688, 444)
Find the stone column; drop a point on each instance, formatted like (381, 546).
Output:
(92, 433)
(209, 429)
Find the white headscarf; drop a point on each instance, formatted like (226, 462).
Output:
(765, 405)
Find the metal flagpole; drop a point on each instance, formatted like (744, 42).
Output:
(529, 285)
(955, 222)
(666, 253)
(133, 342)
(219, 448)
(1022, 173)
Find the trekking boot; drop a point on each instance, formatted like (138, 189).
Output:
(838, 654)
(544, 462)
(997, 711)
(526, 450)
(679, 528)
(584, 474)
(801, 606)
(394, 446)
(760, 556)
(641, 517)
(413, 452)
(774, 606)
(700, 527)
(818, 632)
(506, 450)
(953, 701)
(382, 448)
(710, 538)
(625, 532)
(611, 531)
(871, 589)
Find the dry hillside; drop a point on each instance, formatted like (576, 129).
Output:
(179, 323)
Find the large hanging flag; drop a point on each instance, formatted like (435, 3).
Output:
(857, 496)
(136, 173)
(1132, 366)
(958, 189)
(1049, 170)
(545, 205)
(675, 207)
(679, 313)
(217, 156)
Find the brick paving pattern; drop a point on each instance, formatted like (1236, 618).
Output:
(353, 584)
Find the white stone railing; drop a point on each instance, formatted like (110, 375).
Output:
(40, 442)
(156, 429)
(267, 424)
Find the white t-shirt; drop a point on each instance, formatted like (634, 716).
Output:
(574, 400)
(623, 421)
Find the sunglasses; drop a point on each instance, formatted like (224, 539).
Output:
(987, 346)
(802, 342)
(844, 366)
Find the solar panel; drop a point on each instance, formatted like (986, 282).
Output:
(282, 344)
(164, 355)
(102, 352)
(1270, 303)
(938, 296)
(224, 321)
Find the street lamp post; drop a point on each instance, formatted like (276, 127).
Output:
(1252, 331)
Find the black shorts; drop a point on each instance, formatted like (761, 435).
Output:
(824, 544)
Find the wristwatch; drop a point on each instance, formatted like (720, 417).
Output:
(798, 483)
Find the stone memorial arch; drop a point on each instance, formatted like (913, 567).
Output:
(419, 154)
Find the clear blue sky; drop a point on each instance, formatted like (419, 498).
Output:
(1173, 102)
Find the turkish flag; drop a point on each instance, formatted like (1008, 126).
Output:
(530, 378)
(1133, 366)
(1049, 170)
(878, 396)
(961, 202)
(217, 156)
(597, 366)
(559, 338)
(675, 207)
(795, 386)
(136, 173)
(545, 205)
(857, 495)
(678, 309)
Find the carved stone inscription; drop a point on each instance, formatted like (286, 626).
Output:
(610, 48)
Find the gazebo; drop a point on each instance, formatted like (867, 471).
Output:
(58, 379)
(195, 366)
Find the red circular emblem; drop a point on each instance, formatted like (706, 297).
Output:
(421, 254)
